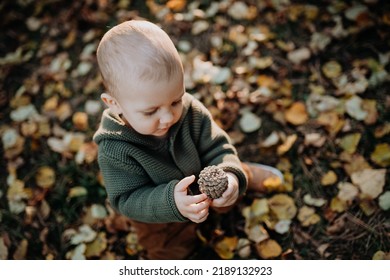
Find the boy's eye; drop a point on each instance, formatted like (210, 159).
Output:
(176, 102)
(150, 113)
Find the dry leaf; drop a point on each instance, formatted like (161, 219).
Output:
(380, 255)
(329, 178)
(332, 69)
(45, 177)
(249, 122)
(85, 234)
(286, 146)
(381, 155)
(370, 182)
(317, 202)
(80, 120)
(96, 247)
(354, 108)
(347, 192)
(299, 55)
(350, 142)
(226, 247)
(132, 244)
(297, 114)
(384, 201)
(282, 226)
(307, 216)
(3, 249)
(244, 248)
(21, 251)
(268, 249)
(282, 206)
(338, 205)
(256, 233)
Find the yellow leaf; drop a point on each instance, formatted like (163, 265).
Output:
(80, 120)
(354, 163)
(77, 191)
(382, 130)
(268, 249)
(370, 182)
(372, 113)
(96, 247)
(368, 207)
(272, 183)
(329, 178)
(286, 146)
(282, 206)
(176, 5)
(297, 114)
(380, 255)
(350, 142)
(332, 69)
(45, 177)
(256, 233)
(21, 250)
(132, 245)
(3, 249)
(338, 205)
(225, 248)
(332, 122)
(307, 216)
(381, 155)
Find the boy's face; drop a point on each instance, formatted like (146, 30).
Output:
(151, 108)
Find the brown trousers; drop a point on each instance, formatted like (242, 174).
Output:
(171, 241)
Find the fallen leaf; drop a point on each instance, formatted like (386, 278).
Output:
(268, 249)
(249, 122)
(297, 114)
(381, 155)
(368, 207)
(45, 177)
(282, 226)
(299, 55)
(80, 120)
(85, 234)
(3, 249)
(338, 205)
(329, 178)
(384, 201)
(307, 216)
(380, 255)
(317, 202)
(77, 191)
(382, 130)
(256, 233)
(370, 182)
(332, 69)
(286, 146)
(97, 246)
(226, 247)
(282, 206)
(350, 142)
(244, 248)
(354, 108)
(132, 244)
(314, 139)
(21, 250)
(347, 192)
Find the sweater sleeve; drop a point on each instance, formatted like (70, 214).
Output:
(132, 193)
(215, 147)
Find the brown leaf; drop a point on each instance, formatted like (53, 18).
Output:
(226, 247)
(268, 249)
(297, 114)
(45, 177)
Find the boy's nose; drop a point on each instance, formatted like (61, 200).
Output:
(167, 117)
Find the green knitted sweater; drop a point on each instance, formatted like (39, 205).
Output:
(140, 172)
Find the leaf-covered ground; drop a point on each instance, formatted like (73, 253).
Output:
(301, 85)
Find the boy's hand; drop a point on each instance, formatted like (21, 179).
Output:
(195, 208)
(230, 196)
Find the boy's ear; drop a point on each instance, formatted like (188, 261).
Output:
(111, 102)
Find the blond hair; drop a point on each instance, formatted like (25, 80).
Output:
(136, 50)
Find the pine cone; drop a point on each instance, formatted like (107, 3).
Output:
(213, 181)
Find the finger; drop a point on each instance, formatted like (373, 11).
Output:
(184, 183)
(195, 199)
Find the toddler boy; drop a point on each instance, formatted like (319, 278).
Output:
(154, 138)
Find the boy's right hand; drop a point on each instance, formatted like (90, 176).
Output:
(195, 208)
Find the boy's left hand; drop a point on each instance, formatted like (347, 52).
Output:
(230, 196)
